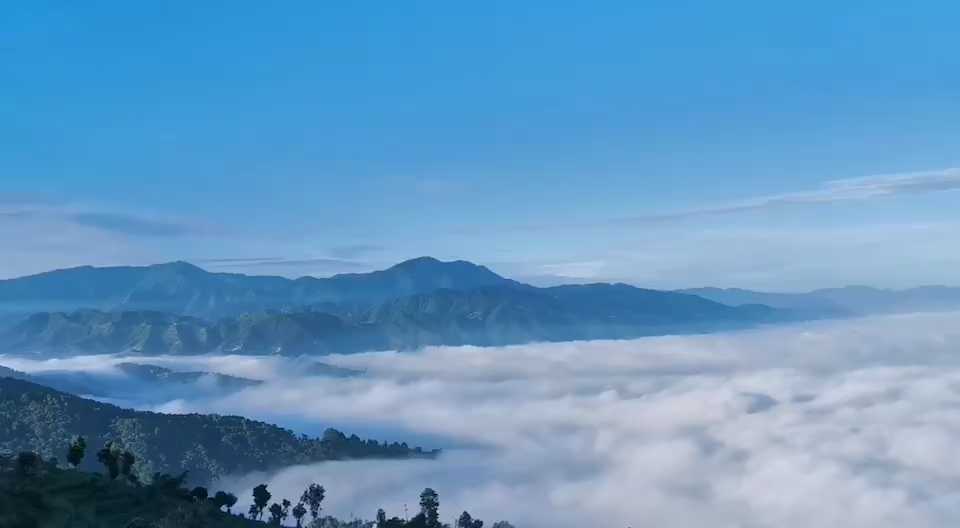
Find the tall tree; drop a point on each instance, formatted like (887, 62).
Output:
(199, 494)
(109, 456)
(230, 501)
(381, 518)
(260, 499)
(430, 508)
(220, 499)
(276, 514)
(286, 510)
(126, 461)
(299, 511)
(467, 521)
(78, 449)
(312, 497)
(418, 521)
(29, 464)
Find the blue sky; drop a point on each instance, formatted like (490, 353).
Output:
(667, 144)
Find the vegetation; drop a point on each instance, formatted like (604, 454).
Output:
(37, 418)
(39, 493)
(36, 493)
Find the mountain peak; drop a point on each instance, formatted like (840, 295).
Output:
(419, 262)
(178, 265)
(461, 269)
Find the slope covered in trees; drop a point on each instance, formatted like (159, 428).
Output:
(35, 492)
(41, 419)
(486, 316)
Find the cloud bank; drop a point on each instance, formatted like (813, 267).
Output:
(834, 424)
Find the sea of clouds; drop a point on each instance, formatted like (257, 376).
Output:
(847, 424)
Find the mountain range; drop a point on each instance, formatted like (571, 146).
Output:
(179, 308)
(498, 314)
(185, 289)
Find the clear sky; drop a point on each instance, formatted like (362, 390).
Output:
(668, 144)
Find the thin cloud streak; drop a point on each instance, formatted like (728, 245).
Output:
(108, 221)
(835, 191)
(852, 189)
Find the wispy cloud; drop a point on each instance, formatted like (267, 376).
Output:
(285, 266)
(352, 251)
(130, 224)
(111, 221)
(237, 260)
(307, 262)
(852, 189)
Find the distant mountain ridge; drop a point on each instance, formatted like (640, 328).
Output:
(841, 302)
(486, 316)
(184, 289)
(137, 379)
(178, 308)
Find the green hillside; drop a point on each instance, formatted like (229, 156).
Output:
(40, 419)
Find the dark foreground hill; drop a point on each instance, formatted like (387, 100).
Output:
(37, 493)
(40, 494)
(40, 419)
(485, 316)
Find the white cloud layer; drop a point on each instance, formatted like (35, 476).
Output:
(835, 424)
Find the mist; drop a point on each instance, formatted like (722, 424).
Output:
(842, 423)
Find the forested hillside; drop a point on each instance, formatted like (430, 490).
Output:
(41, 419)
(44, 493)
(485, 316)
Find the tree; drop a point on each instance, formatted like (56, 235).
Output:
(276, 513)
(221, 499)
(28, 464)
(260, 499)
(286, 510)
(299, 511)
(109, 456)
(126, 462)
(199, 494)
(253, 511)
(466, 521)
(312, 497)
(78, 449)
(418, 521)
(381, 518)
(430, 508)
(231, 500)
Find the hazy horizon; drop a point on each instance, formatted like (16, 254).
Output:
(534, 281)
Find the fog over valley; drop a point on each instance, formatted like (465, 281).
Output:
(834, 423)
